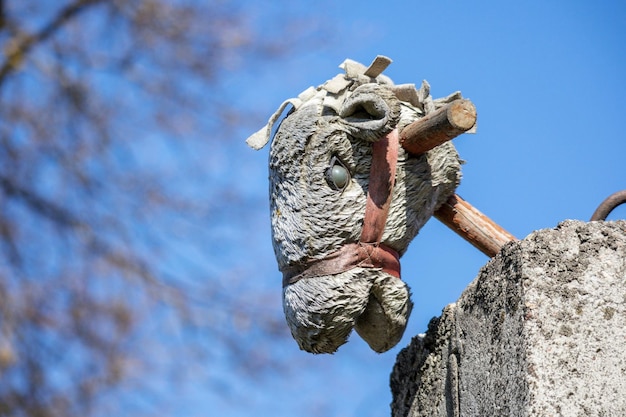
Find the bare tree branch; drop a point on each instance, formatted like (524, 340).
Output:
(38, 204)
(107, 211)
(20, 46)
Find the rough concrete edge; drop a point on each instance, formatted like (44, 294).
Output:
(429, 349)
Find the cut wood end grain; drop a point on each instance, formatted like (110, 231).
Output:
(440, 126)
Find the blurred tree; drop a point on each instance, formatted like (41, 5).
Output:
(102, 107)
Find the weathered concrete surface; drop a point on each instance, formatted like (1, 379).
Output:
(540, 332)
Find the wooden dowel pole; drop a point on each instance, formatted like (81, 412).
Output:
(473, 226)
(438, 127)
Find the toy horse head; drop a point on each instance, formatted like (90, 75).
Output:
(346, 200)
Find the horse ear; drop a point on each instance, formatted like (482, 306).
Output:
(260, 138)
(370, 112)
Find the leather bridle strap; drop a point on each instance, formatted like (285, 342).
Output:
(381, 182)
(349, 256)
(368, 252)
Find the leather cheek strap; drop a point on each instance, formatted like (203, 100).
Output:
(381, 182)
(368, 252)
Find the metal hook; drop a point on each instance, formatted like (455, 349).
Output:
(608, 205)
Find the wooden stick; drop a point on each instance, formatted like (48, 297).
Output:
(438, 127)
(473, 226)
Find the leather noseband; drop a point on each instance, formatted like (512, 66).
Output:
(368, 252)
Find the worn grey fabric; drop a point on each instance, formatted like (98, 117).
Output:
(311, 219)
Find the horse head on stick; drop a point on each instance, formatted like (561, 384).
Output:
(357, 167)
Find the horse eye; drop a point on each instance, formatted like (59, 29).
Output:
(337, 175)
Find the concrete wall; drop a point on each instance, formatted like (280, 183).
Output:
(540, 332)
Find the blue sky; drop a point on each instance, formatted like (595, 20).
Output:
(548, 79)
